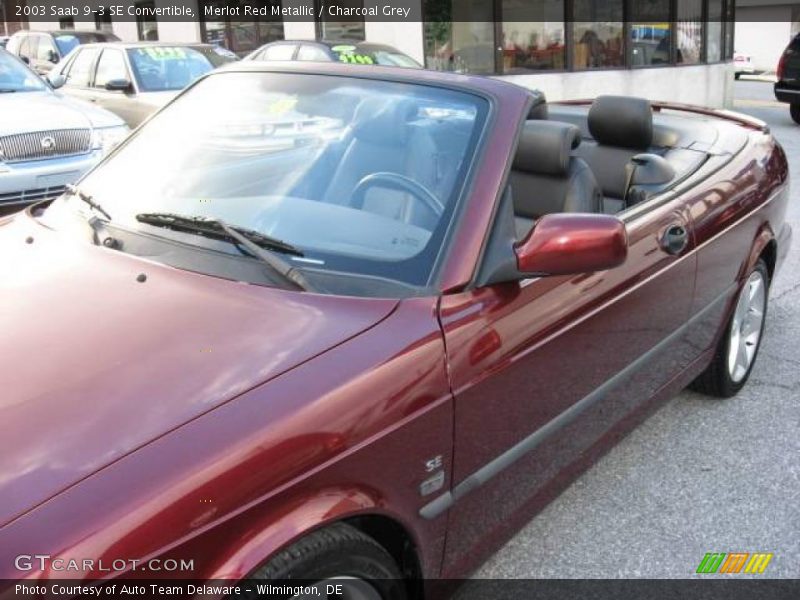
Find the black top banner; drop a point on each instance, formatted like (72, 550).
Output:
(436, 11)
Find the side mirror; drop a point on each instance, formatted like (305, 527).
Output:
(568, 244)
(118, 85)
(53, 57)
(25, 59)
(56, 81)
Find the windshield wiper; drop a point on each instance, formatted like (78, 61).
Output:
(74, 190)
(257, 244)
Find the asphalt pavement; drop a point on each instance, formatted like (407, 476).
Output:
(701, 475)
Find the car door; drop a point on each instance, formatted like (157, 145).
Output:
(543, 369)
(112, 66)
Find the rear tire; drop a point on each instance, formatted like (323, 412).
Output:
(342, 553)
(737, 350)
(794, 110)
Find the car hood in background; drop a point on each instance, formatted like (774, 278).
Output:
(95, 363)
(23, 112)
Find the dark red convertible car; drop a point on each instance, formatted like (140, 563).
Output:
(322, 321)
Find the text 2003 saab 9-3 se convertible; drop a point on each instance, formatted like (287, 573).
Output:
(319, 321)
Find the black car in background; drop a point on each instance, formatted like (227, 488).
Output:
(787, 88)
(42, 50)
(346, 51)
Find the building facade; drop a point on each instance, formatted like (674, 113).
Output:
(673, 50)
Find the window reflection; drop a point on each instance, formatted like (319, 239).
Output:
(597, 34)
(515, 36)
(331, 29)
(689, 31)
(459, 36)
(533, 35)
(714, 31)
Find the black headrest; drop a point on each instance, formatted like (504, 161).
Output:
(621, 121)
(545, 146)
(384, 122)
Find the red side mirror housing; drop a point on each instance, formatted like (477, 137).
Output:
(568, 244)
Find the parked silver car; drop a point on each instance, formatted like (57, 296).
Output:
(46, 140)
(42, 50)
(134, 80)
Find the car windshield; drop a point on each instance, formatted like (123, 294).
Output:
(16, 77)
(163, 68)
(362, 176)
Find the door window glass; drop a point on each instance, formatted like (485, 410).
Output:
(279, 52)
(81, 70)
(45, 50)
(110, 67)
(312, 53)
(29, 47)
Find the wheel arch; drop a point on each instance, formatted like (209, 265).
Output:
(279, 528)
(770, 256)
(764, 246)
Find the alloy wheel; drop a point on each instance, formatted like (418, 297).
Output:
(745, 332)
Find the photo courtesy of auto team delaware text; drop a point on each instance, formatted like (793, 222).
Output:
(399, 299)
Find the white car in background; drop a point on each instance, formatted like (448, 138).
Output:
(742, 65)
(46, 140)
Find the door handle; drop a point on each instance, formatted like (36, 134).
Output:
(675, 239)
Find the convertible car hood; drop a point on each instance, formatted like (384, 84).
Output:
(95, 363)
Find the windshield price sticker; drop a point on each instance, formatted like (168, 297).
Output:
(356, 59)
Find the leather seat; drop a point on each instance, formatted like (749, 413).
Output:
(385, 140)
(546, 178)
(622, 127)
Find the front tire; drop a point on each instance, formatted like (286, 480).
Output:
(794, 110)
(738, 348)
(339, 554)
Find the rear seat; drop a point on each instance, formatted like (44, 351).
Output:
(622, 127)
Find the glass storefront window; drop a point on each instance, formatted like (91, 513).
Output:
(533, 35)
(650, 36)
(729, 27)
(146, 27)
(331, 29)
(689, 32)
(459, 36)
(597, 34)
(516, 36)
(241, 37)
(714, 31)
(650, 44)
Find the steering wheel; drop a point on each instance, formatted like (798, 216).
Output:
(400, 183)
